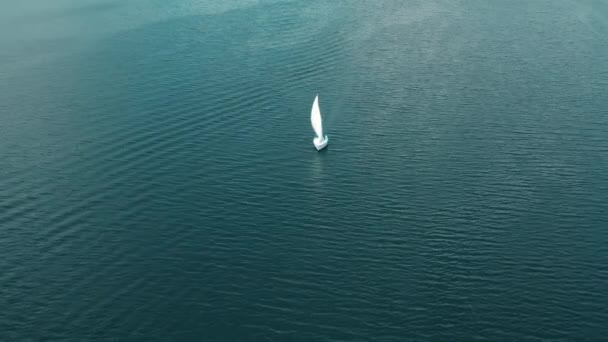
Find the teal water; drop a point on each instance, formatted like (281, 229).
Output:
(158, 180)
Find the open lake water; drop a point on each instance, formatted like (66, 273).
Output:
(158, 180)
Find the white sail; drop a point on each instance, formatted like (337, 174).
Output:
(315, 118)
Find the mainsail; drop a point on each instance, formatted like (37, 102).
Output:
(315, 118)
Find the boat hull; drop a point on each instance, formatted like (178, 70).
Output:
(320, 143)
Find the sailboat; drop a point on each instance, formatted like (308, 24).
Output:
(320, 141)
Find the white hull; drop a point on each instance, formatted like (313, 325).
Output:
(320, 143)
